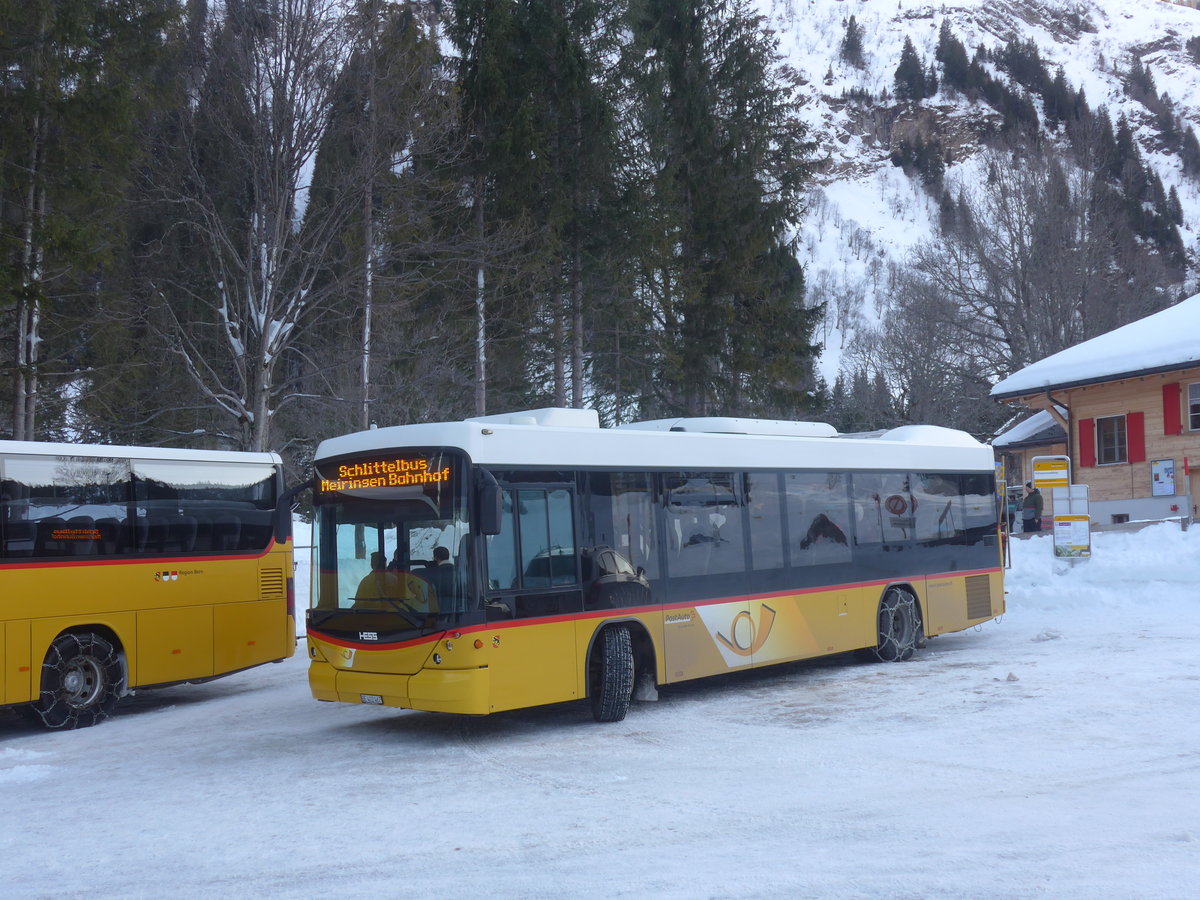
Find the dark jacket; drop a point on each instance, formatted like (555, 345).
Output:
(1031, 508)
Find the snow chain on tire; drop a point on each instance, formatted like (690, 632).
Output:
(82, 677)
(899, 626)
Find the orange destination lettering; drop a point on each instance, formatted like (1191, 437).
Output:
(384, 473)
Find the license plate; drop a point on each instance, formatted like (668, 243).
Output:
(371, 698)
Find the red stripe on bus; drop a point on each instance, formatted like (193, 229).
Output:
(627, 612)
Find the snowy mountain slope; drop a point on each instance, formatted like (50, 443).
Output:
(865, 214)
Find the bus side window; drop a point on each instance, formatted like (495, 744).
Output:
(562, 538)
(501, 551)
(17, 533)
(622, 514)
(818, 509)
(765, 507)
(704, 524)
(53, 504)
(547, 538)
(196, 507)
(868, 509)
(980, 511)
(937, 507)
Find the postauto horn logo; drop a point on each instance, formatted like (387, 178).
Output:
(745, 638)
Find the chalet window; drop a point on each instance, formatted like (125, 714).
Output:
(1194, 406)
(1111, 444)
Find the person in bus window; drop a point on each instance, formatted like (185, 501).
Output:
(441, 573)
(382, 584)
(377, 582)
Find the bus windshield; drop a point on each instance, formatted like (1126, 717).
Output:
(391, 545)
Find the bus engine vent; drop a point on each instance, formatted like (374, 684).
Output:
(271, 584)
(979, 596)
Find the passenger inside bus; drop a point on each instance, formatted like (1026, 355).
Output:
(440, 574)
(382, 584)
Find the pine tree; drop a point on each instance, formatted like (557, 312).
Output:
(952, 55)
(74, 77)
(1057, 100)
(136, 393)
(852, 44)
(1139, 82)
(722, 161)
(947, 213)
(496, 165)
(1190, 153)
(1174, 207)
(910, 80)
(566, 50)
(404, 323)
(542, 142)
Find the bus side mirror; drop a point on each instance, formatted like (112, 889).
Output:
(283, 511)
(491, 504)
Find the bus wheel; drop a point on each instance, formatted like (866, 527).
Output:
(610, 672)
(81, 682)
(899, 626)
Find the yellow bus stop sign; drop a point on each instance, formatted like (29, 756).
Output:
(1051, 472)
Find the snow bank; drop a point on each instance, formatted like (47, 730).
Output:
(1156, 566)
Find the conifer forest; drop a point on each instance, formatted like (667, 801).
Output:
(254, 224)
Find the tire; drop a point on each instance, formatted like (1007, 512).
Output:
(82, 678)
(899, 623)
(611, 674)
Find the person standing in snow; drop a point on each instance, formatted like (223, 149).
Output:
(1031, 509)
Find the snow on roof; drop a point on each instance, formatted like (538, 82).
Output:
(120, 451)
(1166, 340)
(1033, 427)
(517, 439)
(931, 435)
(735, 425)
(550, 416)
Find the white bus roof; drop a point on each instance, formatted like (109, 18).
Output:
(571, 438)
(44, 448)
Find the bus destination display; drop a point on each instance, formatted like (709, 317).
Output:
(384, 473)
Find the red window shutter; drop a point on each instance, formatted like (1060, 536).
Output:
(1172, 416)
(1135, 435)
(1087, 443)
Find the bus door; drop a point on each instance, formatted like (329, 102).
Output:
(709, 625)
(532, 595)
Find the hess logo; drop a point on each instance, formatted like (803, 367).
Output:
(746, 638)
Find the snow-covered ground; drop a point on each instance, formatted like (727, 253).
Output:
(1054, 754)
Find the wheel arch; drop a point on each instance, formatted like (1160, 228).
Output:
(100, 629)
(912, 589)
(645, 658)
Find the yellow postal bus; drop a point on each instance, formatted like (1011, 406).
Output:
(531, 558)
(128, 567)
